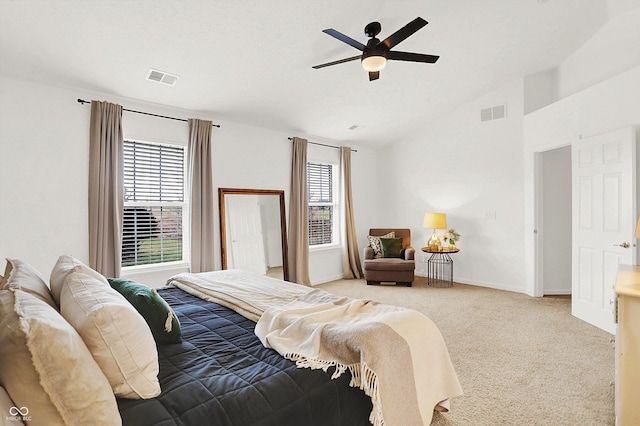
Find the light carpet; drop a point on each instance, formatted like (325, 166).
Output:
(521, 360)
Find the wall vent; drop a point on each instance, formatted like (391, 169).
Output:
(162, 77)
(493, 113)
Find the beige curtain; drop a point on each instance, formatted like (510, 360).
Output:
(298, 238)
(351, 266)
(201, 195)
(106, 188)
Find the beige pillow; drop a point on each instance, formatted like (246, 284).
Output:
(47, 368)
(21, 275)
(116, 334)
(65, 265)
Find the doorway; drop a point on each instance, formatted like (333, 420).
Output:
(602, 206)
(554, 226)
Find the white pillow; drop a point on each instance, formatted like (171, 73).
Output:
(47, 368)
(21, 275)
(116, 334)
(65, 265)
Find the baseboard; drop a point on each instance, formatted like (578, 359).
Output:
(556, 291)
(480, 284)
(492, 285)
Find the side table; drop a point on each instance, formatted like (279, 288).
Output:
(440, 267)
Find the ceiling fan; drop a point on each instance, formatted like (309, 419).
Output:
(376, 53)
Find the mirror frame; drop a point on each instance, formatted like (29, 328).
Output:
(283, 222)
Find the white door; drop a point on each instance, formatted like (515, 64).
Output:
(245, 237)
(603, 217)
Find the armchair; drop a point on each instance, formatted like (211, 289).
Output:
(390, 269)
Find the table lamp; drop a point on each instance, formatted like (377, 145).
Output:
(435, 221)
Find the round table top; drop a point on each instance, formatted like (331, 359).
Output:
(443, 250)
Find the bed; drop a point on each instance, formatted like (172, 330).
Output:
(250, 350)
(222, 375)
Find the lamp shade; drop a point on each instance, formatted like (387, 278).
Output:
(374, 63)
(435, 221)
(638, 228)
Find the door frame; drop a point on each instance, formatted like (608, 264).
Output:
(537, 287)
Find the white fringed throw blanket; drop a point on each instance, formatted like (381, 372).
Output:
(396, 355)
(246, 293)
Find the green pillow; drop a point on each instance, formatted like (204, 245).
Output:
(162, 321)
(391, 247)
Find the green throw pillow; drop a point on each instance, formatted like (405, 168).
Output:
(162, 321)
(391, 247)
(374, 242)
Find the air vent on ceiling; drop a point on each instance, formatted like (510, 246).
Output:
(493, 113)
(162, 77)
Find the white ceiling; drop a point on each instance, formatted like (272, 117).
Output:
(250, 60)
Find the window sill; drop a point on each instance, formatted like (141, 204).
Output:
(156, 267)
(324, 247)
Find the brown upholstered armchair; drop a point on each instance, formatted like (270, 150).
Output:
(398, 269)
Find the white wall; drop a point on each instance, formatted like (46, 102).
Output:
(472, 171)
(540, 90)
(611, 51)
(44, 170)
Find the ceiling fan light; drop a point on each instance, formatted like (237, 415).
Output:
(374, 63)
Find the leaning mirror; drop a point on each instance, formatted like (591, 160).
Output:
(253, 231)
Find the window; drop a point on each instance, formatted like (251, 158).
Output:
(154, 203)
(322, 206)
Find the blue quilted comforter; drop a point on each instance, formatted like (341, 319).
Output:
(222, 375)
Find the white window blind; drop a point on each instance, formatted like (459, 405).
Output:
(320, 186)
(153, 204)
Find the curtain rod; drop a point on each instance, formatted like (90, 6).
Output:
(82, 101)
(324, 144)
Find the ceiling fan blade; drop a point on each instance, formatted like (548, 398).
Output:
(414, 57)
(374, 75)
(328, 64)
(404, 32)
(345, 39)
